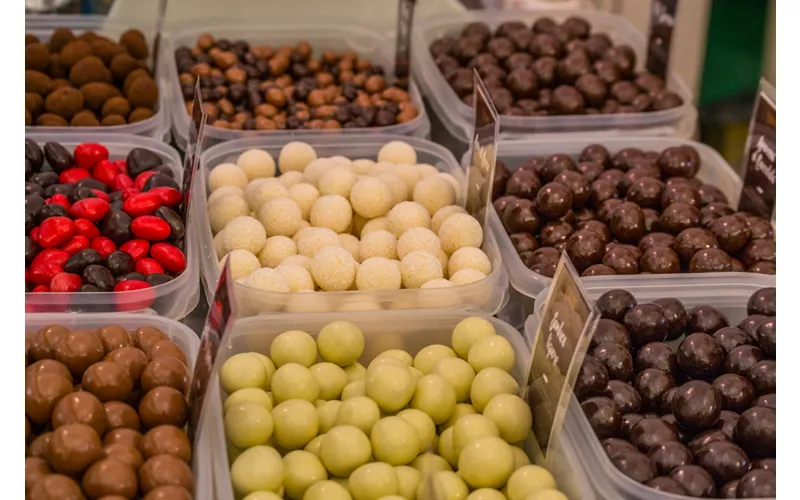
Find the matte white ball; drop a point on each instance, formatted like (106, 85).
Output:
(442, 214)
(419, 267)
(280, 217)
(378, 243)
(244, 233)
(418, 238)
(337, 180)
(397, 152)
(371, 197)
(224, 209)
(226, 174)
(242, 263)
(256, 163)
(333, 268)
(304, 194)
(276, 250)
(434, 193)
(264, 190)
(469, 258)
(290, 179)
(331, 211)
(225, 190)
(458, 231)
(296, 155)
(268, 280)
(406, 215)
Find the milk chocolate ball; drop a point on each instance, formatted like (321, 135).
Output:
(35, 470)
(167, 349)
(123, 435)
(166, 371)
(44, 342)
(169, 440)
(113, 337)
(165, 470)
(38, 447)
(110, 477)
(78, 350)
(169, 492)
(80, 408)
(124, 453)
(131, 359)
(163, 406)
(108, 381)
(42, 393)
(144, 337)
(48, 366)
(73, 447)
(120, 415)
(56, 487)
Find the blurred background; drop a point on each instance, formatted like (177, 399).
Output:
(721, 48)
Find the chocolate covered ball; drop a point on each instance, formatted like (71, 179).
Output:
(627, 223)
(596, 153)
(765, 333)
(163, 405)
(657, 355)
(144, 337)
(636, 465)
(169, 440)
(80, 408)
(78, 350)
(521, 217)
(577, 183)
(113, 337)
(165, 470)
(706, 319)
(679, 193)
(625, 395)
(762, 302)
(679, 161)
(524, 184)
(651, 384)
(617, 360)
(609, 330)
(108, 477)
(44, 342)
(123, 435)
(755, 432)
(695, 480)
(731, 232)
(73, 447)
(108, 381)
(56, 487)
(646, 323)
(679, 216)
(692, 240)
(615, 304)
(699, 356)
(737, 392)
(660, 260)
(131, 359)
(740, 359)
(604, 416)
(592, 378)
(567, 100)
(696, 405)
(119, 415)
(585, 248)
(763, 376)
(42, 392)
(757, 483)
(645, 192)
(669, 455)
(710, 260)
(651, 431)
(730, 338)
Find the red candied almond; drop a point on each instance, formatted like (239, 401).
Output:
(142, 178)
(58, 199)
(141, 299)
(55, 256)
(35, 235)
(73, 175)
(76, 244)
(104, 246)
(89, 154)
(121, 182)
(148, 266)
(40, 289)
(42, 274)
(136, 248)
(55, 231)
(85, 227)
(65, 282)
(102, 195)
(169, 256)
(141, 204)
(128, 192)
(170, 197)
(122, 165)
(129, 285)
(106, 171)
(150, 228)
(93, 209)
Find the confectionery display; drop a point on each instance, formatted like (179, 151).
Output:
(259, 87)
(683, 401)
(550, 69)
(104, 415)
(307, 223)
(627, 212)
(88, 80)
(307, 420)
(96, 224)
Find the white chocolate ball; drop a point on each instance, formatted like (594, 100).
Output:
(244, 371)
(458, 231)
(314, 444)
(299, 260)
(426, 170)
(226, 174)
(301, 470)
(327, 490)
(442, 214)
(408, 173)
(438, 283)
(359, 411)
(378, 273)
(397, 152)
(296, 276)
(390, 385)
(408, 479)
(293, 381)
(395, 354)
(462, 409)
(224, 209)
(293, 346)
(511, 414)
(315, 238)
(351, 244)
(225, 190)
(427, 357)
(397, 185)
(242, 263)
(362, 166)
(333, 268)
(424, 425)
(469, 258)
(489, 383)
(276, 249)
(268, 280)
(340, 342)
(467, 332)
(304, 194)
(331, 380)
(378, 224)
(419, 267)
(429, 463)
(296, 423)
(244, 233)
(344, 449)
(316, 168)
(394, 441)
(443, 484)
(354, 389)
(380, 168)
(259, 468)
(434, 193)
(445, 447)
(331, 211)
(256, 163)
(486, 494)
(460, 375)
(340, 160)
(520, 457)
(435, 396)
(356, 371)
(373, 481)
(406, 215)
(264, 191)
(251, 188)
(494, 350)
(290, 179)
(371, 197)
(337, 180)
(378, 243)
(486, 462)
(280, 217)
(418, 238)
(528, 480)
(249, 395)
(467, 276)
(296, 155)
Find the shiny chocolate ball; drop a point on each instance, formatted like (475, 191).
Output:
(617, 360)
(696, 405)
(604, 416)
(615, 304)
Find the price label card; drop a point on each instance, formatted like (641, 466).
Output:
(662, 22)
(568, 321)
(758, 191)
(218, 324)
(405, 22)
(194, 146)
(480, 175)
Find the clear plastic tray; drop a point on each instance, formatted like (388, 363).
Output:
(729, 299)
(182, 335)
(174, 299)
(487, 295)
(457, 117)
(714, 170)
(43, 26)
(407, 330)
(333, 36)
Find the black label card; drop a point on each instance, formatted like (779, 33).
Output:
(758, 191)
(194, 146)
(220, 318)
(480, 176)
(566, 327)
(405, 22)
(662, 22)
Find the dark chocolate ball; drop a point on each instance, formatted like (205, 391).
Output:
(623, 159)
(636, 465)
(621, 260)
(593, 88)
(554, 232)
(623, 58)
(554, 200)
(656, 239)
(679, 161)
(603, 415)
(524, 184)
(760, 228)
(669, 455)
(617, 360)
(712, 212)
(598, 227)
(657, 355)
(750, 325)
(545, 45)
(591, 170)
(523, 242)
(706, 319)
(675, 313)
(730, 338)
(615, 304)
(711, 194)
(609, 330)
(608, 72)
(615, 446)
(646, 192)
(766, 337)
(573, 66)
(679, 216)
(651, 431)
(502, 202)
(664, 99)
(696, 405)
(764, 463)
(477, 29)
(566, 100)
(585, 248)
(627, 223)
(597, 44)
(755, 432)
(624, 394)
(578, 184)
(762, 302)
(646, 323)
(598, 270)
(602, 190)
(521, 218)
(740, 359)
(461, 81)
(690, 241)
(695, 480)
(660, 260)
(592, 378)
(710, 260)
(727, 423)
(649, 82)
(758, 483)
(596, 153)
(522, 83)
(737, 392)
(700, 357)
(679, 193)
(545, 69)
(763, 376)
(731, 232)
(667, 485)
(623, 91)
